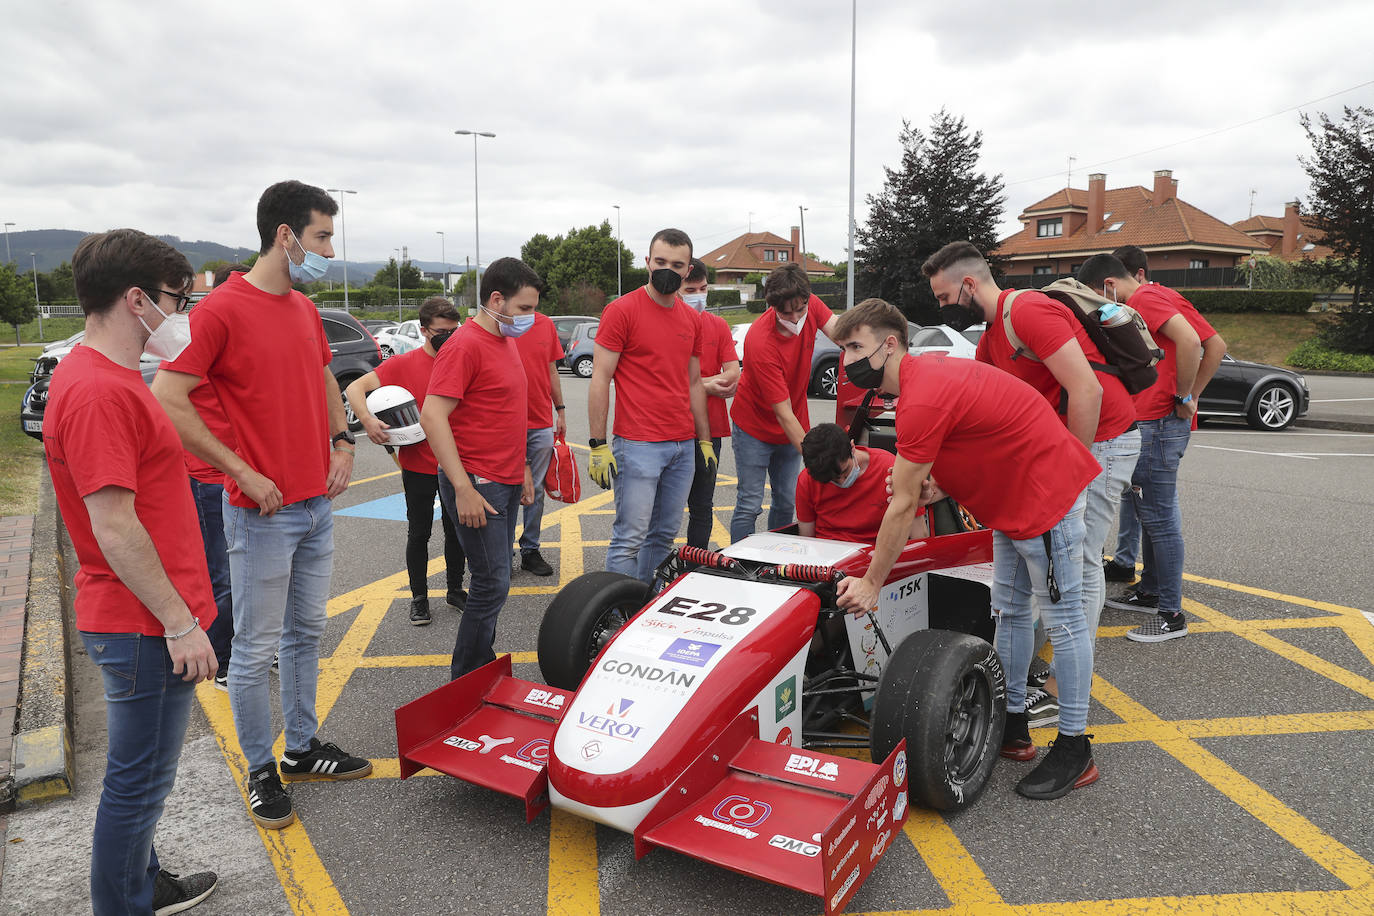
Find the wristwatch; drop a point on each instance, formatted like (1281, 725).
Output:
(344, 436)
(596, 442)
(1186, 399)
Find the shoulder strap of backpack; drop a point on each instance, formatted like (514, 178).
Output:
(1018, 347)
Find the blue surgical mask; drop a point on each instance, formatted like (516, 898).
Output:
(312, 268)
(518, 325)
(852, 476)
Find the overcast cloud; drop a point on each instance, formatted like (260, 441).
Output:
(172, 117)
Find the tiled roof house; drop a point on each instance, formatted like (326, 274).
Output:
(759, 252)
(1292, 236)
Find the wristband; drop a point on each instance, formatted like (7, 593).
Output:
(558, 407)
(195, 623)
(344, 447)
(1186, 399)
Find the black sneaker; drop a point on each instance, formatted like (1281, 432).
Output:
(1042, 709)
(222, 678)
(322, 761)
(1117, 572)
(172, 894)
(1039, 674)
(419, 612)
(1163, 626)
(458, 598)
(267, 800)
(1068, 766)
(276, 657)
(1135, 600)
(1016, 742)
(534, 563)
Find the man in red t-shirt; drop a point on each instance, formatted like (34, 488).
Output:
(770, 411)
(842, 488)
(996, 446)
(1165, 413)
(284, 407)
(474, 419)
(1121, 567)
(419, 471)
(143, 599)
(649, 344)
(1058, 359)
(719, 376)
(540, 352)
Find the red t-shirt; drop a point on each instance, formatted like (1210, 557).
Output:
(411, 371)
(854, 513)
(717, 349)
(103, 427)
(207, 405)
(997, 446)
(1044, 326)
(538, 347)
(482, 371)
(1156, 306)
(264, 356)
(778, 369)
(656, 346)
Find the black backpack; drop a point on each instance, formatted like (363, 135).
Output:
(1124, 342)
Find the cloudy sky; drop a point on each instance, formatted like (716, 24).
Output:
(172, 117)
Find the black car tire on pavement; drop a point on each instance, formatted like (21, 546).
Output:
(581, 619)
(1274, 407)
(946, 694)
(825, 381)
(583, 367)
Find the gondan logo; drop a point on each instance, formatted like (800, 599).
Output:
(800, 847)
(689, 652)
(785, 699)
(651, 673)
(612, 724)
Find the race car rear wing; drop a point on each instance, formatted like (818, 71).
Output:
(802, 819)
(487, 728)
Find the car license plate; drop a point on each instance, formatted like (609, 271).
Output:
(33, 426)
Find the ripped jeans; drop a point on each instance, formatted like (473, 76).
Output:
(1020, 571)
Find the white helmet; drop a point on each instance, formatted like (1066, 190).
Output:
(395, 407)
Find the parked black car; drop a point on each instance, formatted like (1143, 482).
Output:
(354, 349)
(1268, 397)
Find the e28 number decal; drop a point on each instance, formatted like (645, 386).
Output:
(707, 610)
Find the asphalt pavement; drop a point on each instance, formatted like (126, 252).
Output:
(1234, 761)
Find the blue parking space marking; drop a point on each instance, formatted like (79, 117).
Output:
(389, 508)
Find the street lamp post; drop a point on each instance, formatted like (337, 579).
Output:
(853, 71)
(7, 243)
(443, 256)
(343, 232)
(618, 291)
(398, 284)
(801, 215)
(33, 259)
(476, 216)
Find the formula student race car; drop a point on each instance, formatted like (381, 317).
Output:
(697, 717)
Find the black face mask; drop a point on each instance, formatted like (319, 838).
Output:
(666, 280)
(958, 316)
(436, 340)
(861, 373)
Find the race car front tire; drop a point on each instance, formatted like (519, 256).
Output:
(581, 619)
(945, 693)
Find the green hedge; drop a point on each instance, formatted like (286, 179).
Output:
(1313, 354)
(722, 299)
(835, 301)
(1284, 301)
(757, 306)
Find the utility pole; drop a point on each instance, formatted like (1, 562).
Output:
(398, 284)
(33, 259)
(1072, 160)
(443, 257)
(476, 218)
(618, 291)
(801, 215)
(343, 232)
(1252, 201)
(7, 243)
(467, 269)
(853, 71)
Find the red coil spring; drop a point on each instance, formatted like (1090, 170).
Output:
(708, 558)
(808, 573)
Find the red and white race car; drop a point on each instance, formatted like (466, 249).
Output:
(699, 717)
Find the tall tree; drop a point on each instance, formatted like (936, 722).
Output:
(1341, 200)
(16, 299)
(583, 258)
(937, 195)
(411, 277)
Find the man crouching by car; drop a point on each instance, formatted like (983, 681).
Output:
(997, 447)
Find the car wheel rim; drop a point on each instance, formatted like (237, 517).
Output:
(830, 380)
(1275, 407)
(966, 729)
(606, 627)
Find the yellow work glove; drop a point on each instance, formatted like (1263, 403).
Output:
(601, 466)
(708, 453)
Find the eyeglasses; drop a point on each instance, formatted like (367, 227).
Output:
(183, 302)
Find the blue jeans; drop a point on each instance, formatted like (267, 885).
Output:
(701, 516)
(146, 710)
(488, 551)
(1154, 492)
(280, 567)
(650, 494)
(538, 452)
(209, 509)
(1127, 536)
(754, 459)
(1020, 570)
(1117, 458)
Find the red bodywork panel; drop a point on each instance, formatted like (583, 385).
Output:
(929, 555)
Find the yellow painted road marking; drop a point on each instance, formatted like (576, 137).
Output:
(574, 889)
(964, 883)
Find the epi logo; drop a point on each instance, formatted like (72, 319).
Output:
(802, 765)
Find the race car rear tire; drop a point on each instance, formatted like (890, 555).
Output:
(946, 694)
(581, 619)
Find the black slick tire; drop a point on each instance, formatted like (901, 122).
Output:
(581, 619)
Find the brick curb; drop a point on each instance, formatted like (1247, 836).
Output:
(16, 538)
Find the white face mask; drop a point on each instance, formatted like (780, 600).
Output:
(695, 300)
(171, 337)
(794, 326)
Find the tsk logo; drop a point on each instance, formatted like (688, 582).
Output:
(463, 744)
(611, 724)
(800, 847)
(687, 652)
(651, 673)
(785, 699)
(545, 699)
(803, 765)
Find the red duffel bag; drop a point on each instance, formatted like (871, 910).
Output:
(562, 481)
